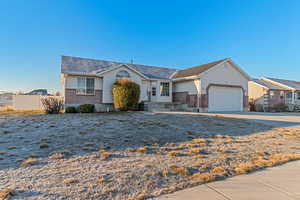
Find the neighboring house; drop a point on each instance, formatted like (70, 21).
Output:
(38, 92)
(217, 86)
(270, 92)
(6, 98)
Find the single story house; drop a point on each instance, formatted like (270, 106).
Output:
(216, 86)
(269, 92)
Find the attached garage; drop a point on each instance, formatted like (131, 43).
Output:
(221, 86)
(225, 99)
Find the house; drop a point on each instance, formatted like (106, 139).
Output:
(216, 86)
(269, 92)
(5, 98)
(38, 92)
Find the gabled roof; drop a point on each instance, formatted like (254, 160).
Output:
(267, 85)
(288, 83)
(197, 70)
(76, 65)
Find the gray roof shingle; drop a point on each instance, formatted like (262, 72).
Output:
(198, 69)
(267, 84)
(289, 83)
(78, 65)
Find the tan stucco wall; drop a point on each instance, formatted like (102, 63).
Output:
(256, 92)
(190, 86)
(223, 74)
(109, 79)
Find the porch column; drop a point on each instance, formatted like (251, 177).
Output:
(293, 97)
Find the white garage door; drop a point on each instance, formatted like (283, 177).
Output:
(225, 99)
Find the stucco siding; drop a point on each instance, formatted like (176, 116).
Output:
(223, 74)
(109, 79)
(191, 86)
(256, 93)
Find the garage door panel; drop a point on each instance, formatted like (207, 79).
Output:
(225, 99)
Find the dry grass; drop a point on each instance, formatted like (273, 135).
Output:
(199, 140)
(219, 170)
(101, 180)
(142, 150)
(194, 151)
(130, 150)
(262, 163)
(70, 181)
(244, 168)
(138, 197)
(105, 155)
(179, 170)
(5, 193)
(182, 162)
(56, 156)
(173, 153)
(29, 161)
(283, 158)
(204, 177)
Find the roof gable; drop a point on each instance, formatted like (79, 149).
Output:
(197, 69)
(267, 85)
(120, 66)
(283, 82)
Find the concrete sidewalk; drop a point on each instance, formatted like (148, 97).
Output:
(278, 183)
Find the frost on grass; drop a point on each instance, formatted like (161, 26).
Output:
(153, 154)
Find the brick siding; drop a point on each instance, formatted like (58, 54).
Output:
(72, 98)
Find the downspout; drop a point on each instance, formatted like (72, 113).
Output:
(198, 93)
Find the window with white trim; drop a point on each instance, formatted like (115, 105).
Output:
(85, 86)
(153, 91)
(123, 74)
(165, 89)
(281, 94)
(272, 94)
(298, 95)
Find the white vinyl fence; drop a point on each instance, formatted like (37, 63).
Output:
(28, 102)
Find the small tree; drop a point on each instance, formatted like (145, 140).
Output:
(52, 105)
(126, 95)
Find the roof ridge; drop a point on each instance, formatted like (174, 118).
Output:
(280, 79)
(198, 69)
(83, 58)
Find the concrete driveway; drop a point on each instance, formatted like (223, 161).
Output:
(278, 183)
(287, 120)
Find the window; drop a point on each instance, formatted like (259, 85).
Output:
(153, 91)
(164, 89)
(289, 95)
(271, 93)
(123, 74)
(298, 95)
(281, 94)
(85, 86)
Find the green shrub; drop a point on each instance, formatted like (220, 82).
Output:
(126, 95)
(71, 109)
(87, 108)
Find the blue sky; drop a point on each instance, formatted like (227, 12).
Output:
(262, 36)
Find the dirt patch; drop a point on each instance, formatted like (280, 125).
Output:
(131, 155)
